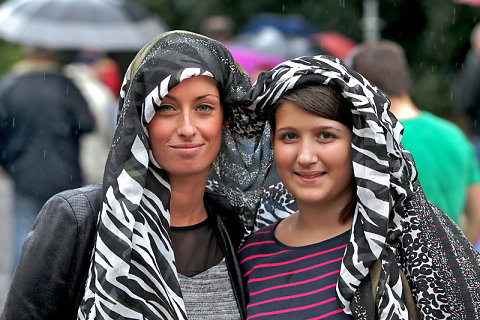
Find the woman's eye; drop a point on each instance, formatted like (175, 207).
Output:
(205, 108)
(164, 108)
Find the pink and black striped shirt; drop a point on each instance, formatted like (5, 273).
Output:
(292, 282)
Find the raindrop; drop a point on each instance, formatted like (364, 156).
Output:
(44, 153)
(341, 3)
(13, 122)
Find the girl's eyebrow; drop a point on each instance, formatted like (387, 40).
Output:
(289, 128)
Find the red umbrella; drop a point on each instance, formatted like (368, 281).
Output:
(334, 43)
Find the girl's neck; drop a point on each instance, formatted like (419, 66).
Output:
(314, 223)
(186, 200)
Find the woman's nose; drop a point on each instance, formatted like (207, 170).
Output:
(186, 127)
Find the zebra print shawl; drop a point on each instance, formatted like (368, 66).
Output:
(393, 221)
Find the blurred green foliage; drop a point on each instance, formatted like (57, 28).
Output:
(435, 34)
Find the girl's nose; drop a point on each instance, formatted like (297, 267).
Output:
(306, 154)
(186, 127)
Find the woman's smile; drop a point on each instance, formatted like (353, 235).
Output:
(187, 149)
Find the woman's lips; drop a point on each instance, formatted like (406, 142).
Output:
(187, 149)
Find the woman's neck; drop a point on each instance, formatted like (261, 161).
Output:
(186, 200)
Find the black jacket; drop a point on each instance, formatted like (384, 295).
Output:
(42, 116)
(50, 277)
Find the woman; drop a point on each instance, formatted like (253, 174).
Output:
(157, 255)
(387, 251)
(157, 209)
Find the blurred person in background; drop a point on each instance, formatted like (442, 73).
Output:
(466, 91)
(86, 72)
(42, 116)
(446, 161)
(253, 60)
(218, 27)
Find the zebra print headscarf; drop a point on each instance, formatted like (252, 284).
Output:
(133, 274)
(393, 221)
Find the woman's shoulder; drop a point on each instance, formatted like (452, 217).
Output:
(82, 204)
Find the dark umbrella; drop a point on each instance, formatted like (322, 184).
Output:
(109, 25)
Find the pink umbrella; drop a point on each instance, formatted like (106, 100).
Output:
(254, 61)
(470, 2)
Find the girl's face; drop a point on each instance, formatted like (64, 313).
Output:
(185, 133)
(313, 156)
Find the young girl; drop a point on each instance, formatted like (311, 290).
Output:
(364, 242)
(291, 267)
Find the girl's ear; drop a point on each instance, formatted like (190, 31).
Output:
(272, 135)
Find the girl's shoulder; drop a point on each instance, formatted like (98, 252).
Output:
(259, 238)
(263, 233)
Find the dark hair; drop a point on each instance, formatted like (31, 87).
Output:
(384, 64)
(325, 102)
(317, 99)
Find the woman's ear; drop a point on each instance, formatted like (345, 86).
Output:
(272, 135)
(225, 124)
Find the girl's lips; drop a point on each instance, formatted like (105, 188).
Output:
(310, 175)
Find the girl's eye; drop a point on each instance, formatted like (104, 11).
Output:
(288, 137)
(205, 108)
(326, 136)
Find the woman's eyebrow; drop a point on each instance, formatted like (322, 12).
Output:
(206, 95)
(197, 98)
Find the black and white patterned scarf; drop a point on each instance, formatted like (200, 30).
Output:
(393, 221)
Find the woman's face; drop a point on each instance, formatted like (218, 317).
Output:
(313, 156)
(185, 133)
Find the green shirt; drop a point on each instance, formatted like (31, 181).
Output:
(445, 160)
